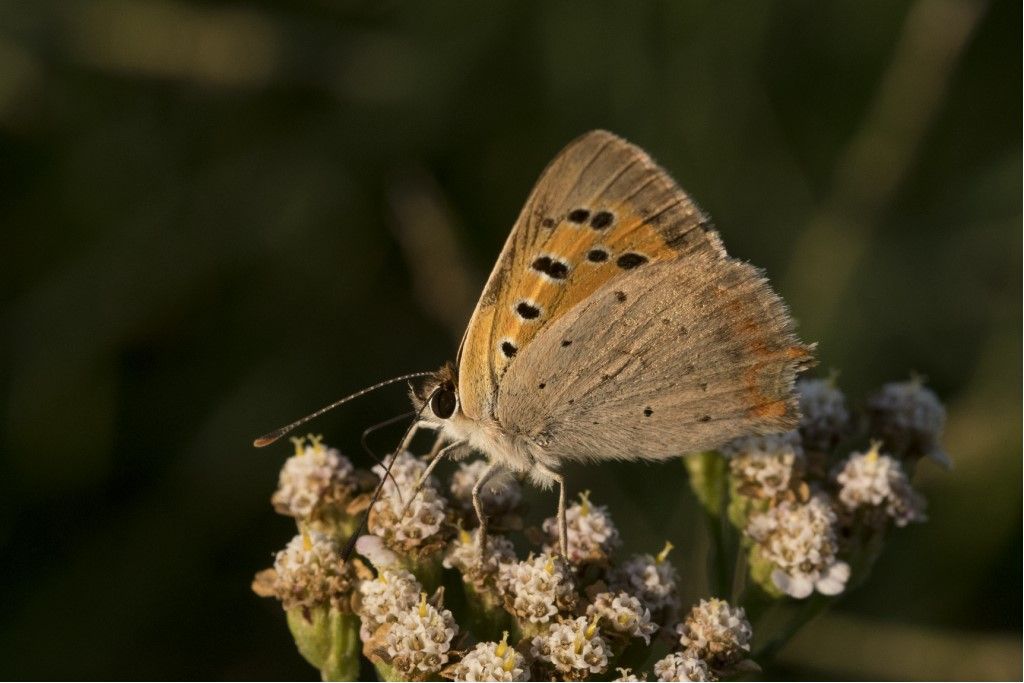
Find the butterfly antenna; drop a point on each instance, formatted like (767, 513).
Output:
(373, 428)
(350, 546)
(273, 436)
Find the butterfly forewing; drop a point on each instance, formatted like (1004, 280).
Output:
(676, 356)
(601, 210)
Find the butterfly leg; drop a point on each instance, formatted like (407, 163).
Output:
(437, 457)
(563, 529)
(407, 441)
(479, 506)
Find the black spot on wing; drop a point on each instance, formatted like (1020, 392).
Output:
(553, 268)
(578, 215)
(630, 260)
(601, 220)
(620, 296)
(648, 412)
(597, 255)
(558, 270)
(527, 311)
(508, 348)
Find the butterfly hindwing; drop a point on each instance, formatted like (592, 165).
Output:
(676, 356)
(600, 210)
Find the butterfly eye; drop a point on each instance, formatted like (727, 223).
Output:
(442, 404)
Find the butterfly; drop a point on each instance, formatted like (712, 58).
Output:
(613, 326)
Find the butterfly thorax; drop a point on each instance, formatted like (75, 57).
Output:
(437, 401)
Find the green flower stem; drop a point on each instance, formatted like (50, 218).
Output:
(328, 639)
(487, 618)
(722, 558)
(427, 570)
(795, 617)
(708, 472)
(387, 672)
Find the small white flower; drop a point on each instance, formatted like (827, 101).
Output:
(876, 480)
(622, 613)
(824, 417)
(765, 467)
(313, 475)
(463, 554)
(492, 662)
(419, 641)
(405, 472)
(309, 572)
(716, 632)
(627, 676)
(909, 418)
(682, 667)
(499, 495)
(591, 534)
(413, 527)
(386, 598)
(652, 579)
(799, 539)
(574, 647)
(538, 588)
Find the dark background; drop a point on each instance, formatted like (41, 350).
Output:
(217, 216)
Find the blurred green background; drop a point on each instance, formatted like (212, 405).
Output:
(217, 216)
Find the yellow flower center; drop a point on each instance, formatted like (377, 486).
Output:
(585, 503)
(549, 567)
(872, 454)
(663, 555)
(592, 628)
(300, 443)
(307, 542)
(509, 663)
(317, 442)
(502, 646)
(423, 605)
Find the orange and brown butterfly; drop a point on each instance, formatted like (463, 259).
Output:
(614, 326)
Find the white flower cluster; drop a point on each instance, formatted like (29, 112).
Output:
(875, 480)
(314, 473)
(492, 662)
(574, 647)
(386, 598)
(419, 641)
(423, 518)
(591, 534)
(501, 494)
(536, 589)
(716, 632)
(682, 667)
(765, 467)
(627, 676)
(824, 417)
(909, 418)
(622, 613)
(799, 539)
(309, 572)
(652, 579)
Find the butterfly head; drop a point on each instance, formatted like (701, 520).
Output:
(439, 394)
